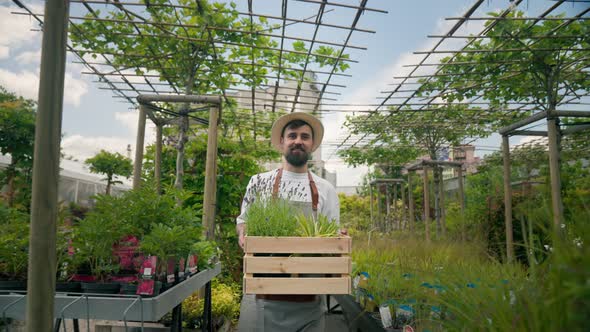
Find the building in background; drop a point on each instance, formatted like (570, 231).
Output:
(76, 183)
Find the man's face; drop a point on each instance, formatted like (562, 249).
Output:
(296, 145)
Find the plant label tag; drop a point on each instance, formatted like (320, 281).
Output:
(146, 287)
(386, 319)
(170, 269)
(181, 268)
(147, 271)
(192, 264)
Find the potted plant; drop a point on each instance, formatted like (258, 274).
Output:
(14, 247)
(93, 240)
(169, 242)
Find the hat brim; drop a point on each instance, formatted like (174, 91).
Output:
(312, 121)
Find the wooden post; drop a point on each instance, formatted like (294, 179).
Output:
(44, 207)
(404, 221)
(441, 190)
(396, 219)
(379, 219)
(158, 158)
(426, 202)
(462, 202)
(388, 221)
(507, 199)
(411, 203)
(137, 164)
(553, 136)
(371, 205)
(210, 195)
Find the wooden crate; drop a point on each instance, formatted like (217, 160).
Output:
(331, 256)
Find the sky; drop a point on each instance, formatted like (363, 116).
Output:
(94, 120)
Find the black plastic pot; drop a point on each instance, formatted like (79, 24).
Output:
(101, 288)
(13, 285)
(357, 318)
(68, 287)
(128, 289)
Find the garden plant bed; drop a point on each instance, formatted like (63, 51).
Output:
(297, 265)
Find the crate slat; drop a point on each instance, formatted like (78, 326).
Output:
(298, 245)
(337, 285)
(320, 265)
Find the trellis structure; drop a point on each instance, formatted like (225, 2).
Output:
(414, 94)
(425, 165)
(129, 85)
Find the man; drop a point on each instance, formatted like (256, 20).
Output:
(296, 135)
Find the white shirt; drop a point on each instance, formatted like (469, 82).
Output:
(293, 187)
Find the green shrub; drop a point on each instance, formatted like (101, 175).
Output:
(225, 305)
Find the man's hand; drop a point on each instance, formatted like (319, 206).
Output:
(240, 228)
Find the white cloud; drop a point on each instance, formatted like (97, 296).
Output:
(16, 29)
(82, 148)
(129, 120)
(4, 52)
(29, 57)
(26, 84)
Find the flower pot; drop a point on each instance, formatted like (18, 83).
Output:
(68, 287)
(101, 288)
(13, 285)
(128, 289)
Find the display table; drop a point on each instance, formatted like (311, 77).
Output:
(117, 307)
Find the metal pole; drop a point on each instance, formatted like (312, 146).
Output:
(44, 208)
(411, 202)
(210, 194)
(556, 202)
(158, 159)
(426, 202)
(507, 199)
(139, 146)
(461, 201)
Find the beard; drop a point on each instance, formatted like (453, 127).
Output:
(297, 159)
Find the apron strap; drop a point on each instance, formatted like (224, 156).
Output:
(313, 187)
(314, 192)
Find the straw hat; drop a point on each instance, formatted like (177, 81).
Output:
(312, 121)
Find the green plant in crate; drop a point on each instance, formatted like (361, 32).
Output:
(312, 227)
(271, 217)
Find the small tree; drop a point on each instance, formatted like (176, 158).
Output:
(17, 135)
(110, 164)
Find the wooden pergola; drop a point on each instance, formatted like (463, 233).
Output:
(390, 220)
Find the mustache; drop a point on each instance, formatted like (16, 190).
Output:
(297, 147)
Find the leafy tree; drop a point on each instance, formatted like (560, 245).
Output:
(17, 136)
(201, 47)
(521, 61)
(110, 164)
(400, 136)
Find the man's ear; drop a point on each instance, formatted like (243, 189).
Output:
(282, 140)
